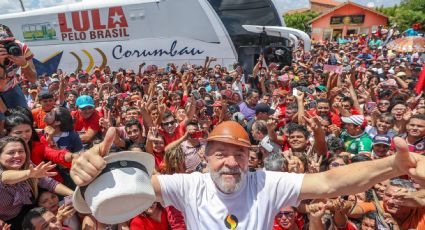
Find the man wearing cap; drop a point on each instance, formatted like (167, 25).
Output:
(381, 146)
(10, 91)
(229, 196)
(356, 140)
(86, 119)
(47, 102)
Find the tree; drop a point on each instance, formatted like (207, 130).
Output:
(300, 20)
(405, 15)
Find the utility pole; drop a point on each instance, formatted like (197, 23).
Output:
(22, 5)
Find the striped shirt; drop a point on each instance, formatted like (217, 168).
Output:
(14, 197)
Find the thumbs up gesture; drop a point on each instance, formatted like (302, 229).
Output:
(87, 166)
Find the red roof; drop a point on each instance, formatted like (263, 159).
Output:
(344, 4)
(326, 2)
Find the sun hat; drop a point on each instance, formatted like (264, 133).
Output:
(84, 101)
(122, 190)
(230, 132)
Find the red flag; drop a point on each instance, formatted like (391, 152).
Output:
(421, 81)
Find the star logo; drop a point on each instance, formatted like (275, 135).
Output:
(48, 65)
(116, 18)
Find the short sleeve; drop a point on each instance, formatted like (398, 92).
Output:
(48, 183)
(175, 188)
(283, 188)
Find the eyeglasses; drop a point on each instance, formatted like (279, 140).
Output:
(287, 214)
(168, 123)
(382, 103)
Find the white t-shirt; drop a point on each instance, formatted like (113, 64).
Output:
(254, 206)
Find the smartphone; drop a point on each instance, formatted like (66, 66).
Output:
(295, 92)
(371, 105)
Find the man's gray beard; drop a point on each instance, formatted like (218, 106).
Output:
(221, 184)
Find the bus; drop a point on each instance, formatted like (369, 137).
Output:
(126, 33)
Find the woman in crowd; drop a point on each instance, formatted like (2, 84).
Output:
(20, 180)
(64, 212)
(19, 125)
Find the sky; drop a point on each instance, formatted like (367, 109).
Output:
(10, 6)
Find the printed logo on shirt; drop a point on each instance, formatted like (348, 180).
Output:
(231, 222)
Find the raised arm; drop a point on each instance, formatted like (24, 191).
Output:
(358, 177)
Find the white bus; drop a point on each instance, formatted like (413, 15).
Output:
(125, 33)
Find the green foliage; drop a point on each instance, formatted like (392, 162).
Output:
(300, 20)
(405, 15)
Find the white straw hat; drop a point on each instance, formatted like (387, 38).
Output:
(122, 190)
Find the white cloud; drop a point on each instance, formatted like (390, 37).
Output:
(9, 6)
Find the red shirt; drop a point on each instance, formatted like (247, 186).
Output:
(39, 116)
(178, 133)
(81, 124)
(142, 222)
(41, 152)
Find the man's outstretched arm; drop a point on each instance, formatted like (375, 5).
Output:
(359, 177)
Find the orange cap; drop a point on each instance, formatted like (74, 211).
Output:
(230, 132)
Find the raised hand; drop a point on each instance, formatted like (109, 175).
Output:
(314, 163)
(292, 160)
(90, 163)
(300, 96)
(316, 209)
(410, 199)
(65, 212)
(411, 163)
(313, 123)
(153, 134)
(41, 170)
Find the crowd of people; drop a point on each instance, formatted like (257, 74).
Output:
(340, 103)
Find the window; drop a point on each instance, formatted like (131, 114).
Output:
(364, 30)
(327, 34)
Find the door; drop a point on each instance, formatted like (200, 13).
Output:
(336, 33)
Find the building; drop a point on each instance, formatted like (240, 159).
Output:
(323, 6)
(320, 6)
(346, 19)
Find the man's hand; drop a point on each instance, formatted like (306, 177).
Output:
(412, 164)
(18, 60)
(89, 164)
(410, 199)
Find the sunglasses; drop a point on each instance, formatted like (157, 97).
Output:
(168, 123)
(288, 214)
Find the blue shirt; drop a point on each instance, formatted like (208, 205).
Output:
(70, 141)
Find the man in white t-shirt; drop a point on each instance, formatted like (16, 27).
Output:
(230, 197)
